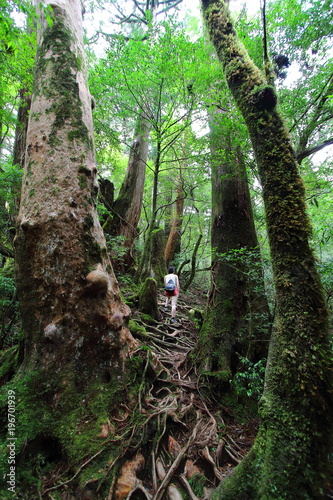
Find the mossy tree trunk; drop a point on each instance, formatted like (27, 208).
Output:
(74, 319)
(127, 207)
(148, 298)
(152, 260)
(237, 315)
(290, 456)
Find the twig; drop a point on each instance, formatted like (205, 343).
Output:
(153, 470)
(231, 455)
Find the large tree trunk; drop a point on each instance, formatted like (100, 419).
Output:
(290, 456)
(73, 315)
(237, 292)
(127, 207)
(172, 246)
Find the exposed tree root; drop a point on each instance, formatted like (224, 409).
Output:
(173, 443)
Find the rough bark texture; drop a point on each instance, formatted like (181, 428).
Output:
(173, 242)
(73, 315)
(289, 457)
(21, 128)
(127, 207)
(237, 291)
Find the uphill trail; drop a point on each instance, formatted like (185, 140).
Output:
(188, 442)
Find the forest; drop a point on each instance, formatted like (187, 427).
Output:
(138, 139)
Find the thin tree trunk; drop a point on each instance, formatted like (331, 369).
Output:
(152, 263)
(290, 456)
(19, 150)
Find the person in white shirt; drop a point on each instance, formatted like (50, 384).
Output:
(171, 279)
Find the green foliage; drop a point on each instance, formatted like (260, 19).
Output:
(249, 265)
(249, 380)
(10, 330)
(10, 184)
(115, 244)
(197, 483)
(17, 49)
(326, 274)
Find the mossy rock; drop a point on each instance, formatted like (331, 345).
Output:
(197, 317)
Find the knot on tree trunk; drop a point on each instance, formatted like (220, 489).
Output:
(97, 282)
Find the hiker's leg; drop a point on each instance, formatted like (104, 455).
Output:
(174, 299)
(166, 302)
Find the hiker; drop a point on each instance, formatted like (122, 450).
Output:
(171, 287)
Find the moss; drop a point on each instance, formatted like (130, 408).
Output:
(136, 329)
(148, 300)
(84, 170)
(289, 458)
(8, 363)
(197, 483)
(82, 181)
(61, 87)
(263, 97)
(69, 422)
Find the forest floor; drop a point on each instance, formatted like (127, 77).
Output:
(191, 442)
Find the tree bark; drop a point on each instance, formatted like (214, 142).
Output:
(76, 339)
(152, 263)
(174, 238)
(127, 207)
(148, 298)
(290, 456)
(237, 292)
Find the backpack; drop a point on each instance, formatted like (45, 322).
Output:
(170, 285)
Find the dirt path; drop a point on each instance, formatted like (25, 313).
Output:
(187, 446)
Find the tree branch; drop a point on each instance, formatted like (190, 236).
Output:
(313, 149)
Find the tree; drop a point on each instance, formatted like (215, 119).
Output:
(74, 319)
(147, 82)
(172, 246)
(17, 48)
(289, 457)
(237, 292)
(306, 105)
(127, 207)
